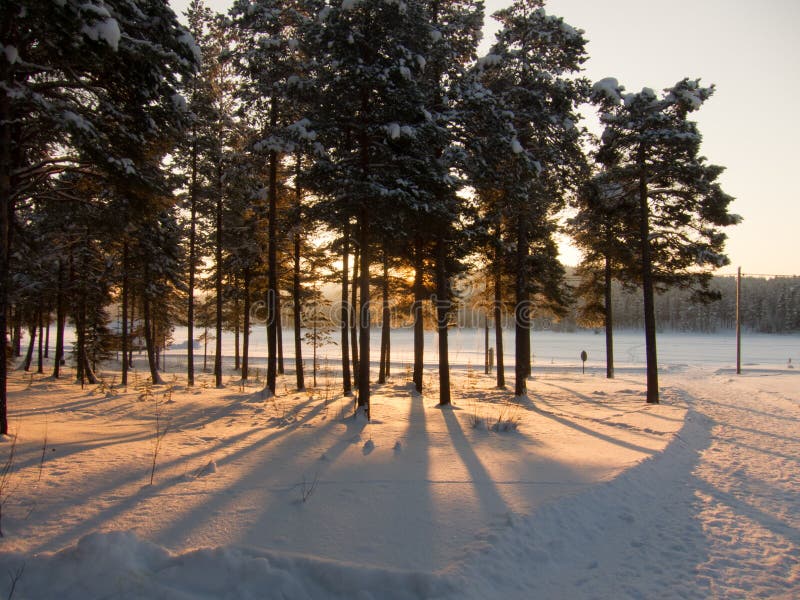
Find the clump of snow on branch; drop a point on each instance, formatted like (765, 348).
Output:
(490, 60)
(608, 89)
(105, 28)
(689, 93)
(76, 120)
(187, 40)
(301, 130)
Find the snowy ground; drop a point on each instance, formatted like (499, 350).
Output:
(594, 495)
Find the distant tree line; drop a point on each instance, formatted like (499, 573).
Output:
(767, 306)
(211, 175)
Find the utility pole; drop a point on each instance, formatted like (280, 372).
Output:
(739, 321)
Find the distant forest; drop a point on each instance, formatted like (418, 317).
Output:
(768, 306)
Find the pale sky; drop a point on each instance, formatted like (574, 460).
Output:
(750, 125)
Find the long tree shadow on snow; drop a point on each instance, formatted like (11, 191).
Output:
(639, 532)
(119, 479)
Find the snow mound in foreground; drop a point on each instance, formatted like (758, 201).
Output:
(122, 566)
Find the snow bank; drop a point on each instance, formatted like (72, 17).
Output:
(122, 566)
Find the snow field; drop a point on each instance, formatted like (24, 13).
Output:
(593, 493)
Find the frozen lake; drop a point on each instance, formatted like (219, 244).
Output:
(549, 348)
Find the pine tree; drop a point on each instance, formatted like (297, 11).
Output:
(194, 148)
(603, 229)
(267, 57)
(652, 151)
(533, 149)
(368, 109)
(455, 30)
(72, 74)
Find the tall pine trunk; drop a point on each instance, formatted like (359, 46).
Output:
(521, 313)
(218, 281)
(132, 324)
(272, 262)
(152, 361)
(6, 218)
(40, 358)
(355, 314)
(498, 325)
(125, 340)
(419, 325)
(80, 320)
(31, 345)
(442, 317)
(383, 372)
(296, 289)
(17, 334)
(47, 320)
(647, 285)
(346, 311)
(246, 325)
(60, 321)
(609, 321)
(486, 343)
(364, 314)
(237, 321)
(279, 333)
(192, 264)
